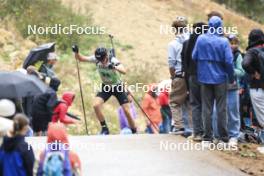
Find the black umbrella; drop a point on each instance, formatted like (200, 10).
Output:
(18, 85)
(39, 54)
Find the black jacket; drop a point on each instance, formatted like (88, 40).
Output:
(44, 104)
(252, 63)
(189, 66)
(18, 144)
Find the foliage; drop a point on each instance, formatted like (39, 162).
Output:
(252, 9)
(43, 13)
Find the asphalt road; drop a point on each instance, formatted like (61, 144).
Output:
(143, 155)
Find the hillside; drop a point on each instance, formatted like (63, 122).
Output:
(13, 47)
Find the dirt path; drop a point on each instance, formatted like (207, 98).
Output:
(143, 155)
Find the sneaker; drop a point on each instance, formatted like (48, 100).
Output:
(134, 131)
(216, 141)
(104, 131)
(177, 131)
(232, 142)
(261, 149)
(186, 134)
(197, 138)
(206, 144)
(190, 138)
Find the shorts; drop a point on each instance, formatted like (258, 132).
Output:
(116, 90)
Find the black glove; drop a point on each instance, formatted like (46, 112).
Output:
(75, 48)
(111, 66)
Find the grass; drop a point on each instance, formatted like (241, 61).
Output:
(25, 12)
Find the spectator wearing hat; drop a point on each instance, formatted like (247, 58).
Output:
(47, 69)
(234, 122)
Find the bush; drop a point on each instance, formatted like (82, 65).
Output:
(43, 13)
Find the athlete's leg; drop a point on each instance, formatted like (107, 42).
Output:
(97, 105)
(98, 102)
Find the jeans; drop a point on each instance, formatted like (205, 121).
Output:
(233, 124)
(215, 129)
(166, 119)
(196, 105)
(185, 116)
(217, 93)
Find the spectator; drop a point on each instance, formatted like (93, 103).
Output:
(42, 109)
(151, 106)
(58, 143)
(124, 126)
(47, 69)
(234, 123)
(253, 64)
(178, 86)
(60, 111)
(14, 148)
(190, 70)
(213, 55)
(165, 110)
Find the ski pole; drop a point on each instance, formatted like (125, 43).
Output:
(112, 43)
(146, 115)
(80, 85)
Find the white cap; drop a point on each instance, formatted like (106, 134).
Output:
(7, 108)
(52, 56)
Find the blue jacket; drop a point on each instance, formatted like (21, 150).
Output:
(16, 157)
(213, 55)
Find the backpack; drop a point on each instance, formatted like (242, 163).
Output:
(55, 163)
(260, 57)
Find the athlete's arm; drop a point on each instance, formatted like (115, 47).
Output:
(82, 58)
(120, 68)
